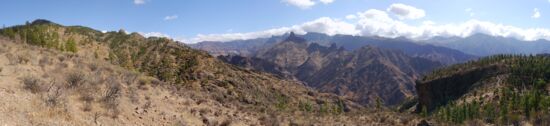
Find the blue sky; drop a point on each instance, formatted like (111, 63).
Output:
(197, 20)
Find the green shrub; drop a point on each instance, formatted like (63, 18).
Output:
(71, 45)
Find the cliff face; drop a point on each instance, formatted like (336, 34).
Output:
(440, 91)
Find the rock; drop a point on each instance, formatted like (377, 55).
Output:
(423, 123)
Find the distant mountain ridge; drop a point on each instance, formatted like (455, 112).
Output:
(485, 45)
(348, 42)
(364, 75)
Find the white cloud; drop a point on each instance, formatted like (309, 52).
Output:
(378, 23)
(322, 25)
(326, 1)
(375, 22)
(405, 11)
(139, 2)
(302, 4)
(172, 17)
(154, 34)
(428, 23)
(305, 4)
(536, 13)
(351, 17)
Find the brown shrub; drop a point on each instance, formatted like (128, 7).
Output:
(32, 84)
(61, 58)
(129, 77)
(93, 66)
(44, 61)
(75, 79)
(17, 59)
(53, 95)
(23, 59)
(111, 97)
(87, 96)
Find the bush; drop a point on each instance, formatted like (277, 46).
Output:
(32, 83)
(44, 61)
(129, 77)
(87, 96)
(110, 99)
(54, 95)
(93, 66)
(75, 79)
(71, 46)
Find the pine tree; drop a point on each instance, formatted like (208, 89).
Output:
(71, 45)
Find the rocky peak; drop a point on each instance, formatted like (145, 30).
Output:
(333, 46)
(293, 38)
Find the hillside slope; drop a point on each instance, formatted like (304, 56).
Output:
(73, 75)
(500, 89)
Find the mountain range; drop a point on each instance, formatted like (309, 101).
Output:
(486, 45)
(348, 42)
(364, 75)
(447, 50)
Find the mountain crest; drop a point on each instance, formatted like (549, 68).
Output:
(41, 22)
(293, 38)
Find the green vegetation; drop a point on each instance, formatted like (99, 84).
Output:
(524, 97)
(159, 57)
(41, 33)
(71, 45)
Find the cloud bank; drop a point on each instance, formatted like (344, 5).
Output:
(376, 22)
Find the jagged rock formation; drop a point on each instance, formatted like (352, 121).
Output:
(364, 75)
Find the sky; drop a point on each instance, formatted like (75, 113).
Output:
(192, 21)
